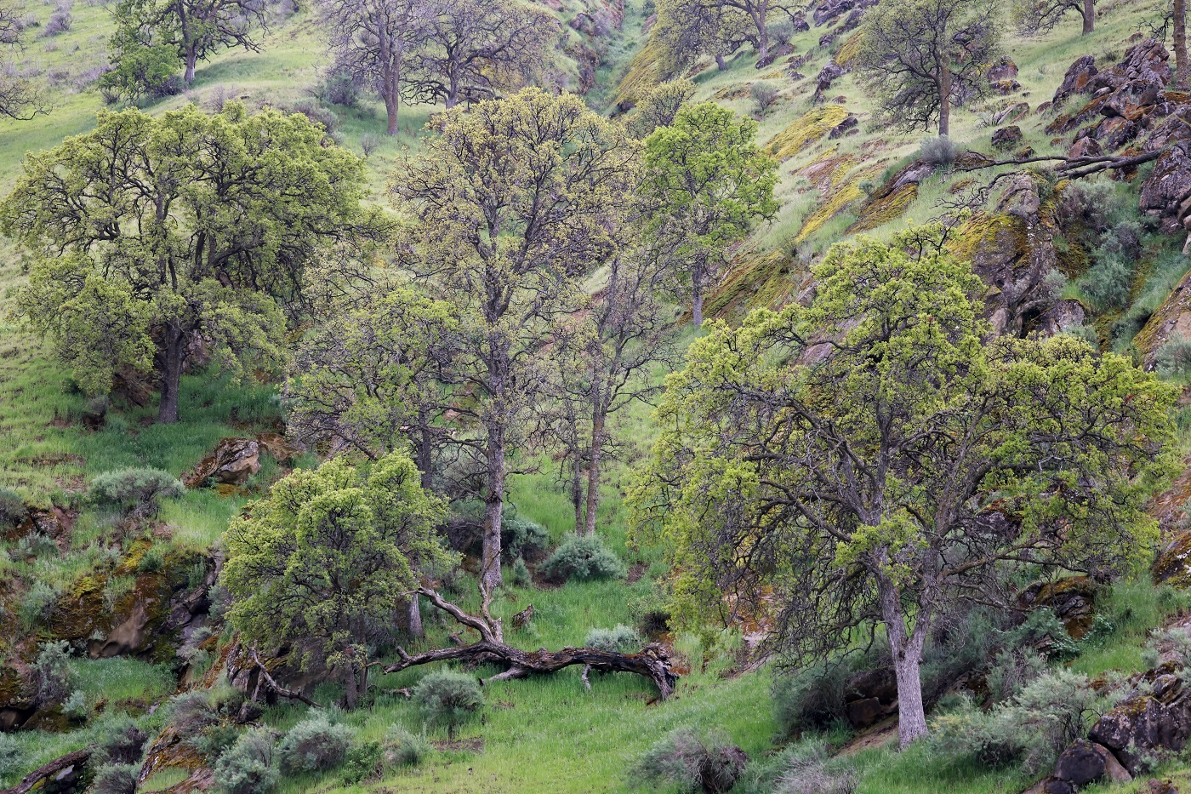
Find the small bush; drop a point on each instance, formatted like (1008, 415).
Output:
(75, 706)
(249, 765)
(521, 575)
(813, 699)
(140, 72)
(153, 560)
(312, 745)
(134, 489)
(1012, 671)
(782, 32)
(12, 508)
(369, 143)
(938, 149)
(406, 749)
(36, 545)
(619, 639)
(121, 742)
(1107, 282)
(11, 755)
(338, 88)
(522, 538)
(52, 672)
(1173, 359)
(692, 762)
(583, 558)
(806, 767)
(59, 23)
(37, 602)
(448, 698)
(363, 761)
(115, 778)
(764, 94)
(191, 714)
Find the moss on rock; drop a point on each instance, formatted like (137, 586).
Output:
(805, 130)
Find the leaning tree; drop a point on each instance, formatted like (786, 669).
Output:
(873, 458)
(152, 233)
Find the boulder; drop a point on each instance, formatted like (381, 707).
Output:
(1132, 100)
(1063, 315)
(1086, 146)
(830, 10)
(1082, 763)
(1005, 87)
(823, 80)
(1146, 722)
(1077, 78)
(871, 696)
(1007, 137)
(1171, 564)
(1072, 599)
(846, 127)
(1003, 69)
(233, 462)
(1168, 184)
(1016, 111)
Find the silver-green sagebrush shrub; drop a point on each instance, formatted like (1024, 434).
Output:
(249, 766)
(134, 489)
(619, 638)
(405, 748)
(583, 558)
(314, 744)
(448, 698)
(691, 761)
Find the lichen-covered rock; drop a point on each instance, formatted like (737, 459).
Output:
(1077, 78)
(1071, 599)
(1173, 563)
(1146, 722)
(1084, 762)
(1002, 69)
(1168, 185)
(233, 461)
(1016, 111)
(805, 130)
(1171, 319)
(1007, 137)
(827, 75)
(830, 10)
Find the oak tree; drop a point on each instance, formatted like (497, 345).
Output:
(513, 202)
(686, 29)
(704, 184)
(1035, 17)
(152, 233)
(19, 99)
(873, 458)
(921, 57)
(319, 564)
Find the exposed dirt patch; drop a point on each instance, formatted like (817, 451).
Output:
(473, 744)
(636, 572)
(875, 736)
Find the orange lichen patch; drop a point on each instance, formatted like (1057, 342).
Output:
(849, 49)
(805, 130)
(879, 211)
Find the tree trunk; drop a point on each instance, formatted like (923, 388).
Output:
(1180, 44)
(59, 769)
(1089, 16)
(490, 576)
(191, 63)
(593, 466)
(720, 63)
(944, 101)
(352, 696)
(392, 106)
(697, 307)
(577, 490)
(762, 39)
(906, 654)
(413, 608)
(172, 352)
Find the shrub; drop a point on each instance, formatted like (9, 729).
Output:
(521, 575)
(11, 755)
(806, 767)
(812, 699)
(12, 508)
(1012, 671)
(37, 602)
(249, 765)
(406, 749)
(313, 744)
(363, 761)
(52, 673)
(153, 560)
(134, 489)
(583, 558)
(1107, 282)
(692, 762)
(60, 21)
(338, 88)
(782, 32)
(522, 538)
(620, 639)
(115, 778)
(369, 143)
(140, 72)
(1173, 359)
(938, 149)
(764, 94)
(191, 714)
(448, 698)
(121, 741)
(75, 706)
(36, 545)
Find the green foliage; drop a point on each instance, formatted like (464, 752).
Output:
(12, 508)
(249, 766)
(752, 438)
(363, 761)
(260, 194)
(812, 699)
(313, 744)
(583, 558)
(448, 698)
(704, 184)
(139, 489)
(691, 761)
(36, 603)
(939, 150)
(11, 756)
(115, 778)
(405, 748)
(142, 72)
(1173, 358)
(764, 94)
(807, 767)
(328, 552)
(52, 672)
(619, 638)
(522, 537)
(658, 106)
(521, 575)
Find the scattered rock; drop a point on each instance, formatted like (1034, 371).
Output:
(832, 71)
(1146, 722)
(1171, 566)
(871, 697)
(1072, 599)
(1007, 137)
(1003, 69)
(845, 127)
(1077, 78)
(1081, 763)
(1018, 110)
(830, 10)
(1005, 87)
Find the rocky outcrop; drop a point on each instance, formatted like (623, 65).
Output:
(1172, 565)
(235, 460)
(1083, 763)
(1077, 79)
(1171, 319)
(1007, 137)
(1071, 599)
(871, 697)
(830, 10)
(1146, 722)
(827, 75)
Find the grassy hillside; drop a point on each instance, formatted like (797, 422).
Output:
(546, 734)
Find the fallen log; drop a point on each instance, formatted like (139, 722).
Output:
(58, 768)
(652, 662)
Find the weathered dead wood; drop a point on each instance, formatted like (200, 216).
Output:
(277, 688)
(652, 662)
(1074, 167)
(77, 758)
